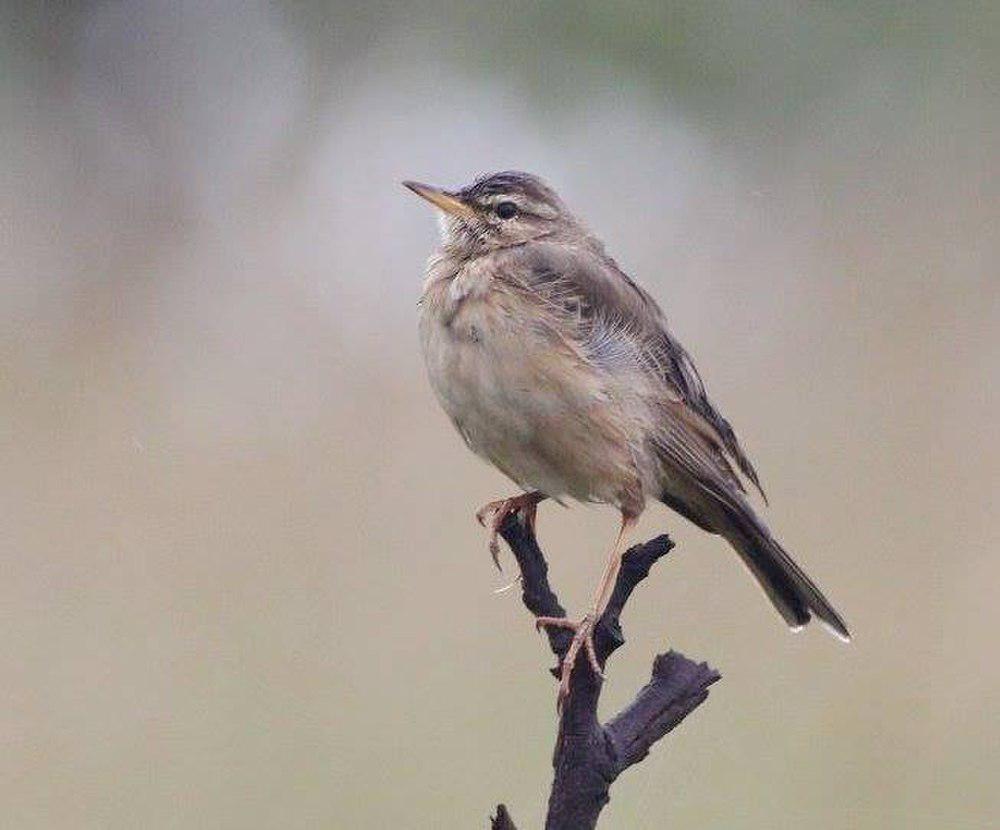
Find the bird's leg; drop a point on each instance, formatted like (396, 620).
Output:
(583, 630)
(494, 514)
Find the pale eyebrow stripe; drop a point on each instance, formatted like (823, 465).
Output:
(522, 201)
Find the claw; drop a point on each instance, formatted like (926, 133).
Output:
(583, 638)
(555, 622)
(494, 514)
(505, 588)
(592, 656)
(495, 551)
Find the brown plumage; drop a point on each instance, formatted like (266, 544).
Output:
(561, 371)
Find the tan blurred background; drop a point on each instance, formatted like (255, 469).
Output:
(241, 584)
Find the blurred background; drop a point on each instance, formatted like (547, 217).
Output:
(240, 580)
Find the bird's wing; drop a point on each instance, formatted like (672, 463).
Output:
(586, 286)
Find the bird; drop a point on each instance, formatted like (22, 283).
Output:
(559, 369)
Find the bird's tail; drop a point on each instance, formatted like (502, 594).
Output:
(793, 593)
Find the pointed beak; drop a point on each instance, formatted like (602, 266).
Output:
(441, 199)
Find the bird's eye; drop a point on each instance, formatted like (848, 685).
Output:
(506, 210)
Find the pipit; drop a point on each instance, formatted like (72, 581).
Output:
(555, 366)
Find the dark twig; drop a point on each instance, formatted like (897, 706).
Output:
(502, 820)
(589, 755)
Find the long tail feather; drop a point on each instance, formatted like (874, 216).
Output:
(793, 593)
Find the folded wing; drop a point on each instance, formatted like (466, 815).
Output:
(604, 304)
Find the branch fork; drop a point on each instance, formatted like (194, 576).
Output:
(589, 755)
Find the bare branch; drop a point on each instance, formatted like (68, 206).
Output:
(502, 820)
(589, 755)
(677, 687)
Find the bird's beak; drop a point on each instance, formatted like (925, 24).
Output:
(441, 199)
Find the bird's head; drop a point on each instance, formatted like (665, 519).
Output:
(497, 211)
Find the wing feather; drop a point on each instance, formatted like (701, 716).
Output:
(591, 293)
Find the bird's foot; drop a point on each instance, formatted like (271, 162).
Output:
(494, 514)
(583, 640)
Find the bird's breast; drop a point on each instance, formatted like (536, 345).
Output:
(470, 353)
(521, 398)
